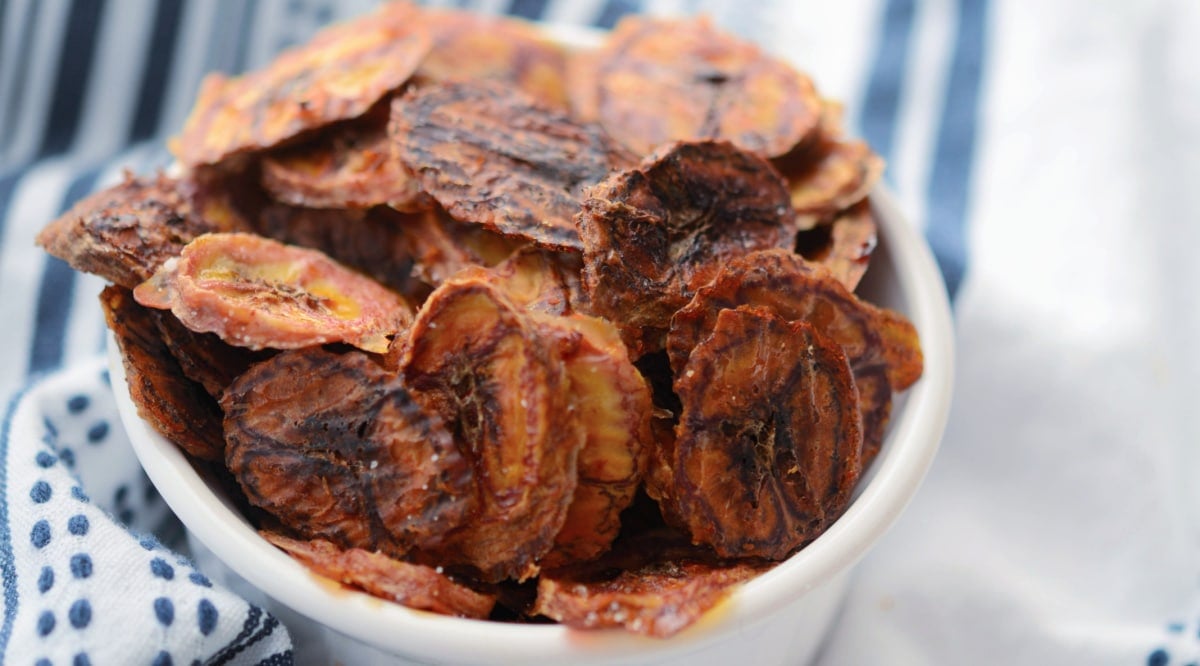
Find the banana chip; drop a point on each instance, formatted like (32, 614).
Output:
(351, 166)
(475, 360)
(124, 233)
(660, 80)
(258, 293)
(787, 285)
(203, 357)
(412, 585)
(769, 443)
(656, 585)
(340, 74)
(612, 404)
(843, 245)
(535, 280)
(351, 458)
(470, 46)
(654, 234)
(441, 246)
(829, 173)
(379, 242)
(179, 409)
(493, 156)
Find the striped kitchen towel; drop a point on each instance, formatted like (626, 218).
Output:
(1049, 151)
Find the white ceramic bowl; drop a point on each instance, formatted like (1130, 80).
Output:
(778, 617)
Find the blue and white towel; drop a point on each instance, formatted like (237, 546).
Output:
(85, 579)
(1049, 150)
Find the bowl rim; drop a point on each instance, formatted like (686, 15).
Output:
(909, 448)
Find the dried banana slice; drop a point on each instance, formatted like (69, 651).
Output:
(351, 458)
(770, 440)
(350, 166)
(796, 290)
(654, 234)
(657, 585)
(493, 156)
(670, 80)
(470, 46)
(340, 74)
(843, 245)
(124, 233)
(480, 364)
(441, 246)
(204, 357)
(228, 197)
(179, 409)
(378, 241)
(583, 87)
(536, 280)
(612, 404)
(257, 293)
(829, 173)
(901, 348)
(413, 585)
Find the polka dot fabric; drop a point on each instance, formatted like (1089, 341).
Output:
(84, 582)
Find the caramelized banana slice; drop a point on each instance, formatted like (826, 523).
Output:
(340, 74)
(770, 440)
(474, 359)
(536, 280)
(179, 409)
(830, 173)
(257, 293)
(441, 246)
(350, 166)
(901, 348)
(844, 245)
(583, 85)
(413, 585)
(670, 80)
(612, 404)
(492, 156)
(204, 357)
(473, 46)
(796, 290)
(227, 196)
(378, 241)
(124, 233)
(654, 234)
(351, 458)
(656, 585)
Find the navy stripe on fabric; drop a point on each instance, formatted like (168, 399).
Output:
(528, 9)
(954, 155)
(8, 567)
(881, 101)
(76, 54)
(21, 76)
(612, 12)
(160, 54)
(231, 650)
(58, 287)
